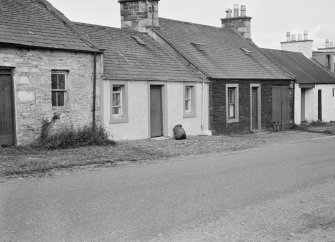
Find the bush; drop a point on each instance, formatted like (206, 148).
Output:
(73, 138)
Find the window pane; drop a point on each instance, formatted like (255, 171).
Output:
(231, 95)
(116, 89)
(61, 101)
(54, 99)
(61, 81)
(116, 99)
(231, 111)
(116, 111)
(54, 81)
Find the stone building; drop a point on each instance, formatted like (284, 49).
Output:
(47, 70)
(246, 88)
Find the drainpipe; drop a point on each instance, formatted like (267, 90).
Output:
(94, 90)
(203, 105)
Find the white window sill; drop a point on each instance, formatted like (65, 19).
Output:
(119, 120)
(190, 115)
(236, 120)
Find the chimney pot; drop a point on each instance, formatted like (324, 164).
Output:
(300, 37)
(236, 10)
(305, 35)
(243, 11)
(327, 43)
(288, 36)
(229, 13)
(331, 44)
(293, 37)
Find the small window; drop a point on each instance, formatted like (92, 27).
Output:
(119, 107)
(189, 101)
(334, 92)
(58, 89)
(232, 103)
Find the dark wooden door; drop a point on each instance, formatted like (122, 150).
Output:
(254, 108)
(281, 106)
(320, 105)
(7, 133)
(156, 111)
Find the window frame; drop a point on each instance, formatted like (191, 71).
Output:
(64, 91)
(122, 117)
(236, 116)
(193, 112)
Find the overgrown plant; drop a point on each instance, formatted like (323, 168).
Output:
(72, 138)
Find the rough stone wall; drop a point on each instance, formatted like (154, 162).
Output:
(218, 122)
(32, 89)
(138, 15)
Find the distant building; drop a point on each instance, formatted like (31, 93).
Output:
(326, 56)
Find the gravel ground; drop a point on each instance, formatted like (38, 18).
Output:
(26, 161)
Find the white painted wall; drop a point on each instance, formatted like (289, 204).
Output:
(311, 104)
(138, 110)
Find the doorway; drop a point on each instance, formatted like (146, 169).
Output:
(303, 104)
(320, 105)
(7, 117)
(255, 107)
(156, 111)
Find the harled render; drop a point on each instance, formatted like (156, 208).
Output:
(146, 91)
(247, 90)
(47, 69)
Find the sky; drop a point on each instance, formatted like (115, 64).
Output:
(271, 19)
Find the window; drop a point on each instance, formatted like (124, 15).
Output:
(189, 101)
(119, 108)
(232, 104)
(58, 89)
(334, 92)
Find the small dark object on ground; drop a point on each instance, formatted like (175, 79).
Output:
(178, 132)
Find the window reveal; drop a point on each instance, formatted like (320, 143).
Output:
(188, 99)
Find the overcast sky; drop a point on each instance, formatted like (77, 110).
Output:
(271, 18)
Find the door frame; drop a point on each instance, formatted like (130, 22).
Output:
(320, 105)
(259, 105)
(164, 107)
(10, 71)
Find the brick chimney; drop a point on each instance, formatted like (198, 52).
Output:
(238, 21)
(139, 14)
(303, 44)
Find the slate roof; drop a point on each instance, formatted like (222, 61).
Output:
(127, 59)
(222, 56)
(36, 23)
(305, 70)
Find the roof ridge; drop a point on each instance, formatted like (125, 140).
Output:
(110, 27)
(67, 23)
(191, 23)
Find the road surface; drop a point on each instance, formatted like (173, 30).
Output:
(276, 192)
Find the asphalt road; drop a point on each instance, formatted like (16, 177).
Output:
(159, 201)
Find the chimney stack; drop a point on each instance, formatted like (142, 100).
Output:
(327, 43)
(303, 45)
(139, 15)
(241, 23)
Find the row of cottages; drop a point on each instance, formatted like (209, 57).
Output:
(315, 80)
(47, 71)
(138, 81)
(247, 91)
(146, 90)
(314, 88)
